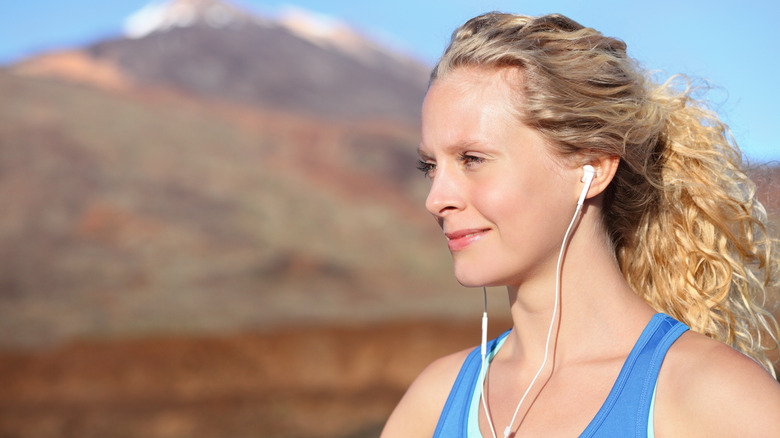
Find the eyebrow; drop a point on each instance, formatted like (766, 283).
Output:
(454, 147)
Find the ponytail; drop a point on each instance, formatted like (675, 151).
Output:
(704, 255)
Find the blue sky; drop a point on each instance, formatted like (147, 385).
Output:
(734, 45)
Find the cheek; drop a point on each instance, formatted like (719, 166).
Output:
(511, 196)
(506, 205)
(526, 210)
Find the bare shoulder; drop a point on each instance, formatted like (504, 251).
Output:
(418, 411)
(707, 388)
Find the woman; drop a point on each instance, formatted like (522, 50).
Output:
(527, 116)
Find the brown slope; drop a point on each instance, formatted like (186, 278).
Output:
(332, 381)
(140, 213)
(76, 66)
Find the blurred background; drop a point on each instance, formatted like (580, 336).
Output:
(212, 224)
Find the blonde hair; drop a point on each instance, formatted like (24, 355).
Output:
(688, 233)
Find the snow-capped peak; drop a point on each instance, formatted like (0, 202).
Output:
(325, 30)
(320, 29)
(161, 16)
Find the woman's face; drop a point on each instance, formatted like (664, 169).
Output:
(501, 198)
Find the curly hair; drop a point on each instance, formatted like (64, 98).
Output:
(687, 231)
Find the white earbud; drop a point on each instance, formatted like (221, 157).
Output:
(588, 173)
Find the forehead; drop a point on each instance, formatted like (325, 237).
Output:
(480, 83)
(467, 105)
(480, 109)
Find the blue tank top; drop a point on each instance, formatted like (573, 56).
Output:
(627, 408)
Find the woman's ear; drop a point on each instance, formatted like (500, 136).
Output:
(605, 166)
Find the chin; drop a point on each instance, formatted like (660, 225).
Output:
(470, 278)
(466, 283)
(474, 275)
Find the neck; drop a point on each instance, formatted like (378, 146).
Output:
(565, 314)
(595, 299)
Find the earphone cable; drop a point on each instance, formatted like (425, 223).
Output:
(483, 370)
(566, 237)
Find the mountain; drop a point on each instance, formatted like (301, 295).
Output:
(213, 170)
(297, 63)
(216, 185)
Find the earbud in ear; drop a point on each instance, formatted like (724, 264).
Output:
(588, 174)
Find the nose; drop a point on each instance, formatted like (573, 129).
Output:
(445, 195)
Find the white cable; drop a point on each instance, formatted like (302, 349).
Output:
(508, 429)
(483, 371)
(483, 348)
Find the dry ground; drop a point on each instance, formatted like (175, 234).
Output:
(308, 382)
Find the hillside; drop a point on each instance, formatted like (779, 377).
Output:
(243, 385)
(144, 213)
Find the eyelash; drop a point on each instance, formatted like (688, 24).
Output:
(466, 159)
(424, 167)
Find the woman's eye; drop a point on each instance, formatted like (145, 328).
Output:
(425, 167)
(470, 159)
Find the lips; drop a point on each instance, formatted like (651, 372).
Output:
(457, 240)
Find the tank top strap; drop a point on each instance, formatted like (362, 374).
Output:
(626, 411)
(453, 421)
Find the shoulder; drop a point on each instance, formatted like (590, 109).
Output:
(418, 411)
(707, 388)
